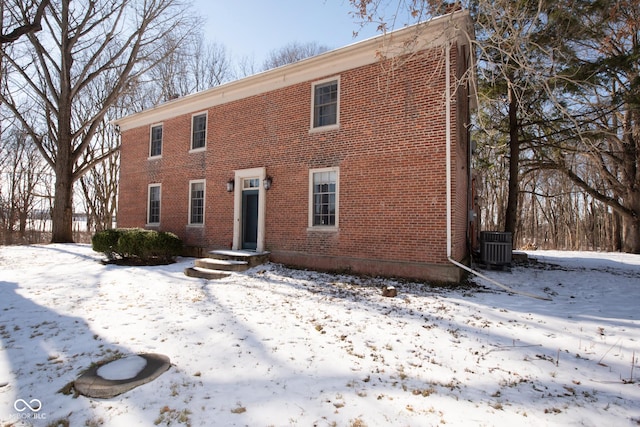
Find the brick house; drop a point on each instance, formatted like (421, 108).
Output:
(336, 162)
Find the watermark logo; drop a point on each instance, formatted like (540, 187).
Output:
(21, 405)
(28, 410)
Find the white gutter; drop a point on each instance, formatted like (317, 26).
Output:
(448, 185)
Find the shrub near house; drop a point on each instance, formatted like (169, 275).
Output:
(137, 246)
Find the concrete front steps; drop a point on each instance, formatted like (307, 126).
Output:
(219, 264)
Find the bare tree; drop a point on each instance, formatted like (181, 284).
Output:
(211, 65)
(292, 52)
(22, 20)
(52, 73)
(100, 184)
(22, 171)
(246, 67)
(187, 66)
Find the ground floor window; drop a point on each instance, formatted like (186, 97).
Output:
(323, 197)
(153, 210)
(196, 202)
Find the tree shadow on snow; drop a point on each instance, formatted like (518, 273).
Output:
(487, 346)
(41, 352)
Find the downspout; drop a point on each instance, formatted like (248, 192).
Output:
(447, 133)
(448, 184)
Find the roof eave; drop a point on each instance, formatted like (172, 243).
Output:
(426, 34)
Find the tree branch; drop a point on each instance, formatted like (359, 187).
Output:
(27, 28)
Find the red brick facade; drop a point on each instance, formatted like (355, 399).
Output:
(389, 151)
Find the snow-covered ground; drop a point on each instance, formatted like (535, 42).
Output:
(275, 346)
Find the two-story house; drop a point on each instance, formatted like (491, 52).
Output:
(357, 159)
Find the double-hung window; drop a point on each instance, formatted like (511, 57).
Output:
(199, 131)
(155, 148)
(326, 104)
(153, 209)
(196, 202)
(323, 197)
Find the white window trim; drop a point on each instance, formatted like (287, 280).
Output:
(153, 224)
(206, 120)
(204, 201)
(158, 156)
(313, 129)
(335, 227)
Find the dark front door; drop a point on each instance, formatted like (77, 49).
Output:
(249, 219)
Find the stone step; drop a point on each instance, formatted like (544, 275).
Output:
(218, 264)
(252, 258)
(205, 273)
(222, 264)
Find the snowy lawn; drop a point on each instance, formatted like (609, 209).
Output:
(275, 346)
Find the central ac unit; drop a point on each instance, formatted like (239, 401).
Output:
(495, 248)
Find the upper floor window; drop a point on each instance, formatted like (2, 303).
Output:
(326, 105)
(323, 197)
(196, 202)
(153, 211)
(199, 131)
(156, 141)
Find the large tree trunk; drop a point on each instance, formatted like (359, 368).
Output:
(511, 217)
(631, 227)
(62, 215)
(631, 235)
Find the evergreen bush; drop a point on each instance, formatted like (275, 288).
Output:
(106, 241)
(137, 246)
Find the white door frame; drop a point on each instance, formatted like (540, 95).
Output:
(240, 175)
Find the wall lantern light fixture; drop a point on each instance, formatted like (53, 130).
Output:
(230, 185)
(267, 182)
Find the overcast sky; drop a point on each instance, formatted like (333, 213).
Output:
(256, 27)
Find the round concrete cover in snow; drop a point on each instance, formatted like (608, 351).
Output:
(122, 369)
(121, 375)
